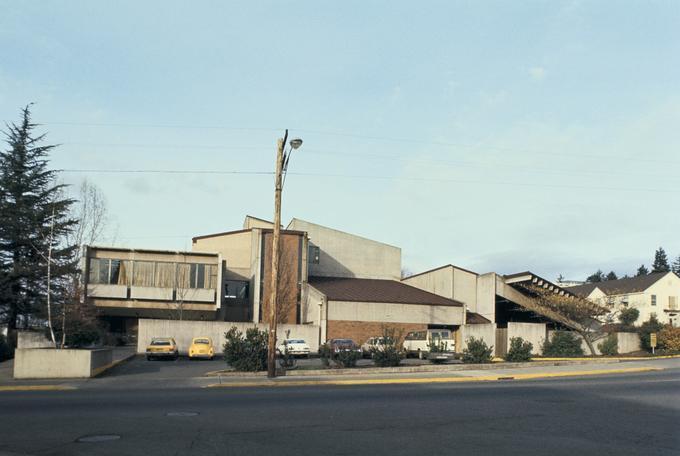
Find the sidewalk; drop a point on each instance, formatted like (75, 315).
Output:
(527, 371)
(7, 381)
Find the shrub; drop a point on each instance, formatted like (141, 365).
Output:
(669, 338)
(477, 352)
(563, 343)
(520, 350)
(390, 352)
(346, 358)
(247, 353)
(650, 326)
(325, 354)
(609, 346)
(629, 316)
(6, 351)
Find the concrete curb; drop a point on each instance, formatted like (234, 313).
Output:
(414, 369)
(393, 381)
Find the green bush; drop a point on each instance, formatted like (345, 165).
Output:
(519, 351)
(563, 343)
(325, 354)
(346, 358)
(6, 351)
(247, 353)
(477, 352)
(609, 346)
(669, 339)
(650, 326)
(629, 316)
(390, 352)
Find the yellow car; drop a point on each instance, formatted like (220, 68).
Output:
(201, 347)
(162, 347)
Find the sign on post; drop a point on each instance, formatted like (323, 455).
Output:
(652, 341)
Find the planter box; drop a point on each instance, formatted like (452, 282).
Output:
(61, 363)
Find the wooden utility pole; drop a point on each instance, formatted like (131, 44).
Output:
(274, 283)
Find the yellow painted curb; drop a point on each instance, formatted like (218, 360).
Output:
(36, 388)
(612, 358)
(393, 381)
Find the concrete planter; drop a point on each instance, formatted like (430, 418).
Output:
(62, 363)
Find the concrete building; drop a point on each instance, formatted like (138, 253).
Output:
(655, 294)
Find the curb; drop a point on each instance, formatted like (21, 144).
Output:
(36, 388)
(394, 381)
(108, 367)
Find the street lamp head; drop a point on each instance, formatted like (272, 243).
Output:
(295, 143)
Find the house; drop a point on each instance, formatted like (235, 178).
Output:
(655, 294)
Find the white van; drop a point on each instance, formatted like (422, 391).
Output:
(418, 342)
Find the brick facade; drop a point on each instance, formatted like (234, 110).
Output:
(360, 331)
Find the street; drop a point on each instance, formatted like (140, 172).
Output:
(631, 414)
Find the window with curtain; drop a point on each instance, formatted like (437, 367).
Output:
(143, 274)
(183, 276)
(165, 275)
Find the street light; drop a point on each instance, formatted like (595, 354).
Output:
(282, 158)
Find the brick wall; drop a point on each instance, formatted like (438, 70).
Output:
(360, 331)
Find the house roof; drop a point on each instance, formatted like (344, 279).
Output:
(377, 290)
(620, 286)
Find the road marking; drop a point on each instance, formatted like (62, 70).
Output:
(395, 381)
(37, 388)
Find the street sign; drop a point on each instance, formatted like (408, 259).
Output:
(652, 340)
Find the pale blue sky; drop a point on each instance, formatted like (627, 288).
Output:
(499, 136)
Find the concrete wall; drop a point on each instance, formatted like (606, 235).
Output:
(235, 250)
(628, 342)
(531, 332)
(486, 332)
(184, 331)
(394, 313)
(486, 296)
(346, 255)
(64, 363)
(33, 339)
(438, 281)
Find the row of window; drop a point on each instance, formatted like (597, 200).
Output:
(152, 274)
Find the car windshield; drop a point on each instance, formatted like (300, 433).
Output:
(202, 341)
(296, 341)
(160, 342)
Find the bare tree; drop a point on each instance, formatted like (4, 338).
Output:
(288, 285)
(578, 314)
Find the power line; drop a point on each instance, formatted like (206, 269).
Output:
(372, 177)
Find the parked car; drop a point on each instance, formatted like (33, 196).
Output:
(417, 343)
(339, 345)
(295, 347)
(201, 347)
(373, 343)
(162, 347)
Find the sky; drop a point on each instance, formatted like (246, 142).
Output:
(497, 136)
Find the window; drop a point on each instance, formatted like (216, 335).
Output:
(143, 274)
(624, 300)
(109, 272)
(235, 289)
(673, 302)
(653, 300)
(313, 254)
(164, 275)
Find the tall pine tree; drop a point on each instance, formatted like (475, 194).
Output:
(641, 271)
(34, 216)
(660, 261)
(676, 265)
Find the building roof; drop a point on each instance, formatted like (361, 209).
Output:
(438, 268)
(472, 318)
(620, 286)
(153, 251)
(525, 277)
(376, 290)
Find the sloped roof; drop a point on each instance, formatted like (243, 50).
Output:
(472, 318)
(377, 290)
(620, 286)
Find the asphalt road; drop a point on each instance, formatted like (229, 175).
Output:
(635, 414)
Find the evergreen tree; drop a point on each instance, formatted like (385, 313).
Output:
(34, 219)
(611, 276)
(596, 277)
(642, 270)
(676, 265)
(660, 261)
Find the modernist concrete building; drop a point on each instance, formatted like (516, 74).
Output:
(655, 294)
(348, 285)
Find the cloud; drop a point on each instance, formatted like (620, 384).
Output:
(537, 73)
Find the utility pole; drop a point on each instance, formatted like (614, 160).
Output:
(274, 283)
